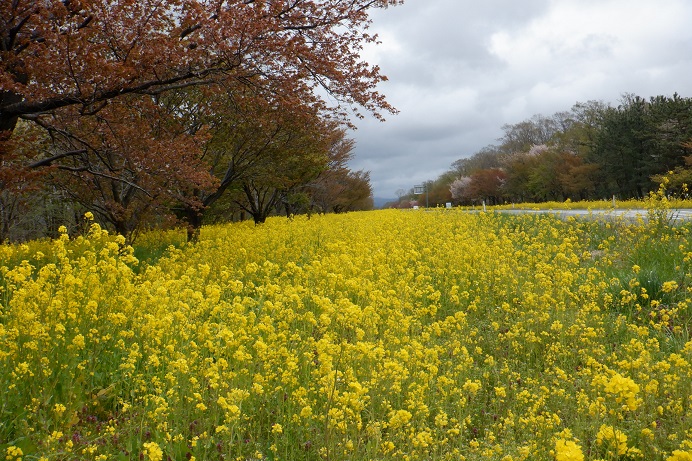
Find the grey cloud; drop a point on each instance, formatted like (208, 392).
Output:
(460, 70)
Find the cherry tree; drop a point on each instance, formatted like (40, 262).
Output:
(84, 53)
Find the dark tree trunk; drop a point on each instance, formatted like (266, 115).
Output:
(121, 228)
(7, 122)
(259, 217)
(193, 217)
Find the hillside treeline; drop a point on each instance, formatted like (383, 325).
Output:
(593, 151)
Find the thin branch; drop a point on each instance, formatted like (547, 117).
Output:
(15, 30)
(53, 130)
(49, 161)
(189, 30)
(94, 109)
(85, 22)
(178, 86)
(73, 169)
(104, 175)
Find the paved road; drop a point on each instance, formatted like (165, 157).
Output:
(676, 215)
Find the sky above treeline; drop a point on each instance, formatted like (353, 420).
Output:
(459, 70)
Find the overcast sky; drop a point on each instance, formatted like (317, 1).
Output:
(458, 70)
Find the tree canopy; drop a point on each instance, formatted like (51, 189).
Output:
(85, 53)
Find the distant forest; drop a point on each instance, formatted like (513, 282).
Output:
(592, 151)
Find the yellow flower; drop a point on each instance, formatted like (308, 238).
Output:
(59, 409)
(669, 286)
(399, 418)
(472, 387)
(14, 453)
(679, 455)
(78, 341)
(567, 450)
(624, 389)
(306, 411)
(153, 451)
(613, 439)
(647, 433)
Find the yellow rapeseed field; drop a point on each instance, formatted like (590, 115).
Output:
(403, 335)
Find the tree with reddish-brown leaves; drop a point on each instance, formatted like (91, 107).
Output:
(487, 185)
(57, 54)
(126, 163)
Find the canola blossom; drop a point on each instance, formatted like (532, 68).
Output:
(402, 335)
